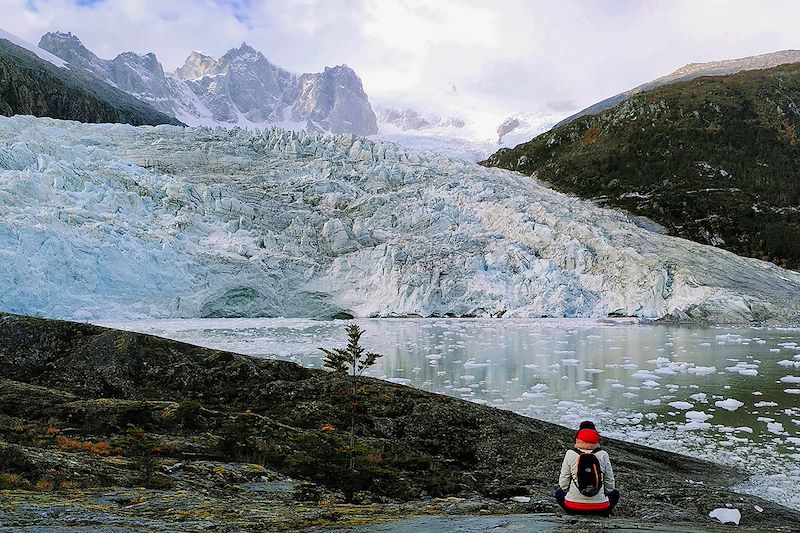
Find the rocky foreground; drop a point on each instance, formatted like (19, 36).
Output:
(113, 430)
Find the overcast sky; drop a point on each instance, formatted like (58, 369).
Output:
(510, 55)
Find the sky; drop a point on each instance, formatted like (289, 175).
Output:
(507, 55)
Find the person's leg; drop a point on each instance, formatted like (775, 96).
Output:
(560, 496)
(613, 498)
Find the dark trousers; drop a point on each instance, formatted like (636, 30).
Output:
(613, 499)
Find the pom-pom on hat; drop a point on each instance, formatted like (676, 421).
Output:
(587, 424)
(589, 435)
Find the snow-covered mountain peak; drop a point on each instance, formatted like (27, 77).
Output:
(243, 55)
(67, 46)
(196, 66)
(241, 88)
(335, 100)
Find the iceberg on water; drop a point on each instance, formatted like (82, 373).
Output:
(726, 515)
(114, 221)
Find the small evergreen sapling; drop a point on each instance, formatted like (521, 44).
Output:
(354, 361)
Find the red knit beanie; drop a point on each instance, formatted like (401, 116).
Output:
(589, 435)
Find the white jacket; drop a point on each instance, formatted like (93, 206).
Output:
(569, 473)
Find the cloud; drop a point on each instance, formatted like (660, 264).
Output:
(514, 55)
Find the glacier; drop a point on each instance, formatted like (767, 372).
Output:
(112, 221)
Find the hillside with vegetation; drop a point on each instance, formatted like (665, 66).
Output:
(29, 85)
(715, 160)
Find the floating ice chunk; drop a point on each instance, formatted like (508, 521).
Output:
(744, 369)
(731, 338)
(788, 363)
(617, 386)
(665, 371)
(701, 370)
(793, 440)
(791, 391)
(540, 387)
(594, 370)
(433, 356)
(531, 366)
(651, 384)
(775, 427)
(630, 395)
(790, 379)
(583, 383)
(652, 402)
(651, 416)
(681, 405)
(699, 397)
(743, 429)
(729, 405)
(693, 425)
(644, 375)
(765, 404)
(698, 416)
(571, 361)
(478, 400)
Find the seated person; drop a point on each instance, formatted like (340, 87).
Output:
(592, 490)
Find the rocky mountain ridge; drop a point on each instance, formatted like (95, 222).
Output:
(33, 82)
(690, 72)
(241, 88)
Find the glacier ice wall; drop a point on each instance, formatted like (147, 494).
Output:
(113, 221)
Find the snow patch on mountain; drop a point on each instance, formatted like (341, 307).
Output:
(112, 221)
(43, 54)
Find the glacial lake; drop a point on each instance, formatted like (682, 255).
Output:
(730, 395)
